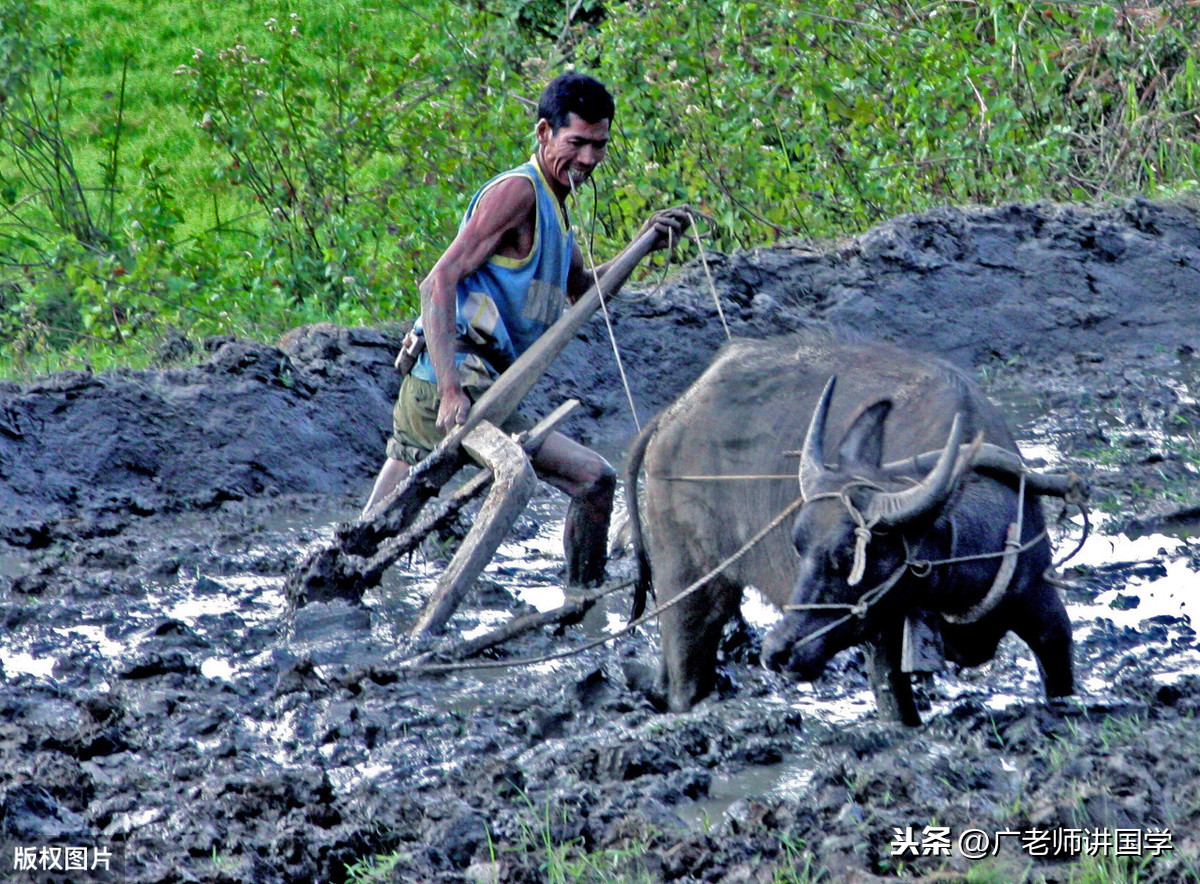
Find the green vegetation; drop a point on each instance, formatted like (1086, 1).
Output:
(1111, 870)
(557, 860)
(169, 168)
(373, 869)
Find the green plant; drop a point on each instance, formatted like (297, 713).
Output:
(798, 866)
(1105, 869)
(570, 860)
(298, 121)
(373, 869)
(35, 64)
(222, 862)
(995, 871)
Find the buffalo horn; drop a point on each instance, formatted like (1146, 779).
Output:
(812, 458)
(897, 507)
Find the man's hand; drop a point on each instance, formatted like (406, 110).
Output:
(670, 224)
(453, 410)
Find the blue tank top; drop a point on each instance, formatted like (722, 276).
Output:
(506, 305)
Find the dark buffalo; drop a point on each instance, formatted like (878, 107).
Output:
(717, 463)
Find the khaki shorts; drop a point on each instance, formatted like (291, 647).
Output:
(414, 420)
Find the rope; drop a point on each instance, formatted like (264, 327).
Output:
(612, 337)
(862, 530)
(629, 627)
(859, 609)
(791, 477)
(927, 565)
(1050, 576)
(708, 275)
(920, 567)
(1087, 530)
(1004, 574)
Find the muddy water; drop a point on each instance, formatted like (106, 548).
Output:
(214, 629)
(228, 620)
(233, 616)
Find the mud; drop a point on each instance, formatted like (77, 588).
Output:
(159, 705)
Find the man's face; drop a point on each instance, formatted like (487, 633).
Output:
(569, 155)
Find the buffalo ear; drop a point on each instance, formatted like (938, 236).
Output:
(863, 442)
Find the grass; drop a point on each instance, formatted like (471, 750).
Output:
(1111, 870)
(186, 242)
(373, 869)
(557, 860)
(1153, 486)
(798, 866)
(1089, 870)
(152, 39)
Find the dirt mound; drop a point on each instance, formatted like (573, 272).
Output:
(252, 420)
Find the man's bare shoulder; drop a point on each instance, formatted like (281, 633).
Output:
(513, 196)
(503, 223)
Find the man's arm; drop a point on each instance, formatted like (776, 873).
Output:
(497, 223)
(670, 224)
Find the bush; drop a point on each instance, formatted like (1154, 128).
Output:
(328, 152)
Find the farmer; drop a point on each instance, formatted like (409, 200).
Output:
(501, 283)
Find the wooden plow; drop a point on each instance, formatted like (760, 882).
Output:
(361, 552)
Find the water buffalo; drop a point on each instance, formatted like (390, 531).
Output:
(721, 464)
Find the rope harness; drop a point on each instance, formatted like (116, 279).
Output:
(920, 568)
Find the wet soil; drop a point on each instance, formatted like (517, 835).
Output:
(160, 703)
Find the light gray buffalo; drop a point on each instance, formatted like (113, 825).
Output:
(881, 536)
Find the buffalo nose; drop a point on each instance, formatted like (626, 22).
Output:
(776, 652)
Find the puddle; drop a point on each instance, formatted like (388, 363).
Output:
(217, 668)
(788, 780)
(254, 599)
(98, 639)
(17, 663)
(1156, 575)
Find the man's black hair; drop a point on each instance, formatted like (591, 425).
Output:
(576, 94)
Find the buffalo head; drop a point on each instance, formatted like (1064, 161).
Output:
(848, 536)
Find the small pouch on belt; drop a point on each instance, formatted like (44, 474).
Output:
(413, 346)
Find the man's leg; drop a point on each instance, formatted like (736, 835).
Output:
(390, 475)
(591, 483)
(414, 434)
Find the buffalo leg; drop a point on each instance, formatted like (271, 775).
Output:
(690, 634)
(892, 686)
(1049, 637)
